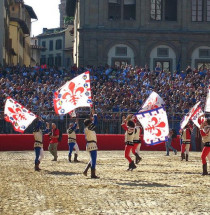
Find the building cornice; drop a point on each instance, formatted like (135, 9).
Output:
(146, 31)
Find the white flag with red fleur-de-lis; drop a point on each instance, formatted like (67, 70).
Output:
(18, 115)
(75, 93)
(155, 124)
(152, 102)
(196, 115)
(189, 115)
(207, 106)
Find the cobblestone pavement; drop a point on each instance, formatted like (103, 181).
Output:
(159, 185)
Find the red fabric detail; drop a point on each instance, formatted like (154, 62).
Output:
(55, 132)
(134, 148)
(128, 149)
(124, 126)
(183, 148)
(203, 134)
(188, 134)
(55, 102)
(200, 121)
(44, 66)
(205, 152)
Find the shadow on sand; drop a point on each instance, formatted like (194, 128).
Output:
(143, 184)
(62, 173)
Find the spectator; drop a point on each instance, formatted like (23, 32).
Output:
(113, 89)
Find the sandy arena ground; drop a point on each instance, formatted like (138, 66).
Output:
(160, 185)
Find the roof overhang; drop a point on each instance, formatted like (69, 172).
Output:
(22, 24)
(31, 12)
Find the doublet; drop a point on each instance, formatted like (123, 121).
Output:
(91, 139)
(129, 135)
(38, 136)
(186, 136)
(136, 138)
(71, 135)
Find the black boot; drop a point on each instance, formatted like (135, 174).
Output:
(138, 158)
(86, 169)
(93, 173)
(205, 169)
(186, 157)
(75, 158)
(129, 167)
(182, 156)
(132, 165)
(69, 158)
(55, 158)
(37, 167)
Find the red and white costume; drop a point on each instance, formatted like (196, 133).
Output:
(137, 140)
(129, 136)
(205, 135)
(186, 140)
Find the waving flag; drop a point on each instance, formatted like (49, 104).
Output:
(189, 115)
(198, 113)
(75, 93)
(207, 106)
(18, 115)
(152, 102)
(154, 120)
(155, 124)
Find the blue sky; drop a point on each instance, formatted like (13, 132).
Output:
(47, 12)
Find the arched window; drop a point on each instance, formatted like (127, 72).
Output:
(201, 57)
(120, 55)
(163, 56)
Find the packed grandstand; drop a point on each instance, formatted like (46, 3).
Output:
(115, 91)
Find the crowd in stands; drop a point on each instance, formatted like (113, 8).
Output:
(114, 90)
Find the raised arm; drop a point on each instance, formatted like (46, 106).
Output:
(124, 124)
(95, 118)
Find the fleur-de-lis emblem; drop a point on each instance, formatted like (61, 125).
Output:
(74, 94)
(17, 113)
(155, 127)
(152, 104)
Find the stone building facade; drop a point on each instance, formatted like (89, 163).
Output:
(35, 51)
(21, 16)
(62, 9)
(57, 46)
(6, 51)
(139, 32)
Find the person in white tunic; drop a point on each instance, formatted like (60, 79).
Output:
(91, 146)
(38, 144)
